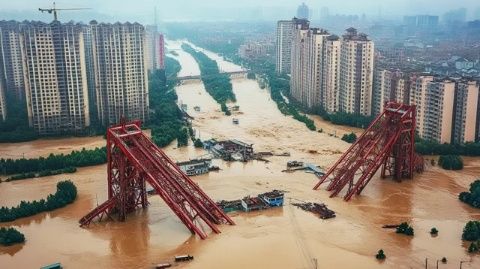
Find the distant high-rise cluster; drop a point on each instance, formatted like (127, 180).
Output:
(329, 72)
(70, 75)
(303, 12)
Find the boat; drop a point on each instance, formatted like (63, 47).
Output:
(183, 258)
(163, 265)
(52, 266)
(235, 121)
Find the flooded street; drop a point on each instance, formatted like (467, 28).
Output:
(277, 238)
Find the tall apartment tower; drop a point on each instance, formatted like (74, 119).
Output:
(11, 58)
(308, 64)
(299, 58)
(331, 73)
(120, 66)
(154, 48)
(390, 85)
(465, 113)
(285, 29)
(303, 12)
(434, 99)
(356, 73)
(55, 77)
(3, 104)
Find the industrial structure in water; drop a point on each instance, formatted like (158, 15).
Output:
(389, 142)
(133, 161)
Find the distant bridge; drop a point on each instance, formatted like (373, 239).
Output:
(233, 74)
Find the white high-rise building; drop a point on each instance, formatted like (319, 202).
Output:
(389, 85)
(466, 107)
(154, 48)
(356, 73)
(3, 105)
(11, 58)
(298, 81)
(120, 63)
(331, 74)
(55, 77)
(285, 30)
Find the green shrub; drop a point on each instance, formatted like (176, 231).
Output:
(10, 236)
(349, 138)
(451, 162)
(380, 255)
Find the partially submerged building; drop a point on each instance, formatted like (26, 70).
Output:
(195, 167)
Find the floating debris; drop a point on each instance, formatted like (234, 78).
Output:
(183, 258)
(320, 209)
(265, 200)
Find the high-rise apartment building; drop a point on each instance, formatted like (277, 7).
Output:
(3, 104)
(331, 95)
(390, 85)
(155, 51)
(11, 58)
(356, 73)
(303, 12)
(465, 111)
(284, 35)
(434, 99)
(120, 64)
(55, 77)
(308, 61)
(299, 55)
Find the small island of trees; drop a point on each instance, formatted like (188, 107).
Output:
(451, 162)
(473, 196)
(349, 138)
(10, 236)
(405, 229)
(66, 193)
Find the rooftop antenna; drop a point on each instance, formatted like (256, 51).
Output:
(54, 10)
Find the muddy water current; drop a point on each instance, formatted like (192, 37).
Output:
(277, 238)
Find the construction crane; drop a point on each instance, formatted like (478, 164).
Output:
(54, 10)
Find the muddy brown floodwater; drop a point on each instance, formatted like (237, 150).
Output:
(278, 238)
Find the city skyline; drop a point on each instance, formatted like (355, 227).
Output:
(215, 10)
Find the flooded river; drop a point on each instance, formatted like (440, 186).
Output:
(278, 238)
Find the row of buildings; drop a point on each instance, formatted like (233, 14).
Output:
(338, 74)
(448, 108)
(70, 74)
(335, 73)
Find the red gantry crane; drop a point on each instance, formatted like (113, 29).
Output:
(133, 161)
(389, 142)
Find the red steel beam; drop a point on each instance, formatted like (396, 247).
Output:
(388, 141)
(133, 160)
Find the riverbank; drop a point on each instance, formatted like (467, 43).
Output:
(296, 237)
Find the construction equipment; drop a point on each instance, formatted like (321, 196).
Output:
(54, 10)
(388, 141)
(134, 160)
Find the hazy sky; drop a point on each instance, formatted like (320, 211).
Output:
(185, 10)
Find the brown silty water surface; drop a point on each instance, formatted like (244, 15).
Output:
(277, 238)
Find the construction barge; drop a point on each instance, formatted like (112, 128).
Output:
(318, 209)
(263, 201)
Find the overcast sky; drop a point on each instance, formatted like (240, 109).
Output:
(195, 10)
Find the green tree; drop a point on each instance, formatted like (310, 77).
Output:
(433, 231)
(471, 231)
(380, 255)
(10, 236)
(349, 138)
(451, 162)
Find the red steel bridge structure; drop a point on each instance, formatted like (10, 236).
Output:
(133, 161)
(389, 142)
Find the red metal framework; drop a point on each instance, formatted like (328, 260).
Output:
(388, 141)
(134, 160)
